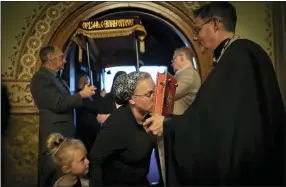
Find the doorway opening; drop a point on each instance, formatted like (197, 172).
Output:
(162, 39)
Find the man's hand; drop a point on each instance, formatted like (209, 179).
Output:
(154, 125)
(87, 91)
(103, 93)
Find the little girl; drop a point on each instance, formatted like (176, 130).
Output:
(70, 155)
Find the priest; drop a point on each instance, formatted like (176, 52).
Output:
(234, 132)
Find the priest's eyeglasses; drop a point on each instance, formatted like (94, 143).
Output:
(197, 29)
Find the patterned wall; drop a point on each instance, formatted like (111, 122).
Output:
(24, 60)
(19, 151)
(35, 23)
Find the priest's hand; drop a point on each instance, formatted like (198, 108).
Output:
(154, 125)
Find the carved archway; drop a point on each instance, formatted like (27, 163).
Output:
(166, 10)
(54, 22)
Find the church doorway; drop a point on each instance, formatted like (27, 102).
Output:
(163, 38)
(159, 45)
(167, 29)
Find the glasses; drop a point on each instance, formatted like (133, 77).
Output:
(148, 95)
(172, 61)
(196, 30)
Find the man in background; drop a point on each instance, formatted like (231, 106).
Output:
(55, 103)
(188, 78)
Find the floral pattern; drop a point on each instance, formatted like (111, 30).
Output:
(124, 86)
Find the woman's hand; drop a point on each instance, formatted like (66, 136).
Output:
(154, 125)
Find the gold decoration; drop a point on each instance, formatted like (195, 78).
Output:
(20, 96)
(214, 59)
(80, 54)
(78, 41)
(43, 27)
(154, 98)
(20, 151)
(110, 32)
(107, 29)
(53, 13)
(34, 43)
(142, 44)
(27, 60)
(25, 77)
(169, 102)
(164, 93)
(107, 24)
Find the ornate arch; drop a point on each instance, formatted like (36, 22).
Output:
(54, 22)
(179, 14)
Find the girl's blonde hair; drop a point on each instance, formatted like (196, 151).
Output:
(62, 148)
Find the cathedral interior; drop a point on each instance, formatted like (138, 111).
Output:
(168, 26)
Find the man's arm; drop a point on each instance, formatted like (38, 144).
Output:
(93, 104)
(185, 81)
(46, 92)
